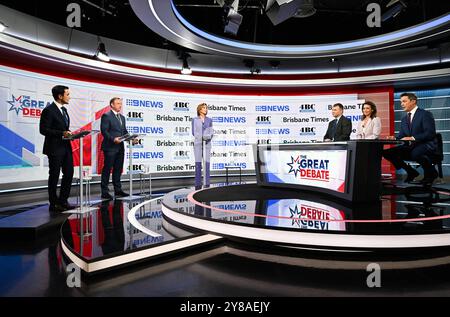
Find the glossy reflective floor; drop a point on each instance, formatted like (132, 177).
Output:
(224, 270)
(400, 211)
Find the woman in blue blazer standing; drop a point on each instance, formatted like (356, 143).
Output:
(202, 131)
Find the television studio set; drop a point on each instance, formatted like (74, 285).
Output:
(243, 150)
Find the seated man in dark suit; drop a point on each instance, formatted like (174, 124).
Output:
(340, 128)
(419, 129)
(112, 127)
(54, 125)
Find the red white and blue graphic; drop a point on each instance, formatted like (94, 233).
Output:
(318, 168)
(302, 214)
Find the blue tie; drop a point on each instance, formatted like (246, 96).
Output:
(333, 129)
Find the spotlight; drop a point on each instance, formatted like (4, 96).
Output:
(396, 6)
(3, 27)
(101, 53)
(233, 21)
(280, 10)
(231, 18)
(185, 69)
(250, 63)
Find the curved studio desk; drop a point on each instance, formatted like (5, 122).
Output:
(347, 170)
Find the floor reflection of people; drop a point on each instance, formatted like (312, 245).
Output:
(203, 211)
(112, 233)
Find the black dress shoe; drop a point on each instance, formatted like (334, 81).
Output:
(411, 175)
(67, 206)
(121, 194)
(429, 179)
(107, 196)
(56, 208)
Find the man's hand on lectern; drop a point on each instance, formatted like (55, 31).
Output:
(390, 137)
(117, 140)
(67, 134)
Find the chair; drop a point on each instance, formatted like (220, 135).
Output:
(438, 156)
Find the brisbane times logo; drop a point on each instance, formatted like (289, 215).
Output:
(27, 106)
(311, 169)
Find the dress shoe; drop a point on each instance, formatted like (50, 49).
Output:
(56, 208)
(429, 179)
(67, 206)
(107, 196)
(411, 175)
(121, 194)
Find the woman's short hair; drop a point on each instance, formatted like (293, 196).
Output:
(372, 106)
(200, 106)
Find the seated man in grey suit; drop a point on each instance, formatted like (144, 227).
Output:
(340, 128)
(113, 127)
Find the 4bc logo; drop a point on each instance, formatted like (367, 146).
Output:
(263, 120)
(307, 108)
(135, 116)
(181, 106)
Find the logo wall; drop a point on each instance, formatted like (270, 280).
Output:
(164, 120)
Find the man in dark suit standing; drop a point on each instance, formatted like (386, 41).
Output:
(418, 128)
(340, 128)
(113, 127)
(54, 125)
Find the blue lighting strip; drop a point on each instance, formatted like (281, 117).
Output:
(318, 48)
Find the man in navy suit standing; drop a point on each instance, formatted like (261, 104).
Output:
(54, 125)
(112, 127)
(418, 128)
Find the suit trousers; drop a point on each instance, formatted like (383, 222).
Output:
(57, 163)
(113, 160)
(418, 152)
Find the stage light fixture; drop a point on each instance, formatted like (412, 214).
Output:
(395, 8)
(101, 53)
(281, 10)
(3, 27)
(185, 69)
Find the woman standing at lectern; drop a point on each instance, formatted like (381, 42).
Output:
(202, 131)
(370, 125)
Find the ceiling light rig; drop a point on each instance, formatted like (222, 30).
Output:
(185, 69)
(101, 53)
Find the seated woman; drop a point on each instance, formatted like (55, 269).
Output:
(370, 125)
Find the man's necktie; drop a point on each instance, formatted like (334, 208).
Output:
(118, 118)
(409, 121)
(65, 116)
(333, 129)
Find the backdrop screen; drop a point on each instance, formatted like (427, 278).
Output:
(165, 119)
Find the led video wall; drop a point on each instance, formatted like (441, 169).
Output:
(164, 119)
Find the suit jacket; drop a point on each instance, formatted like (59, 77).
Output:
(202, 130)
(111, 128)
(371, 130)
(52, 125)
(423, 129)
(343, 130)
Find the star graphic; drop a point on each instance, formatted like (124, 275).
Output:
(294, 165)
(295, 214)
(16, 104)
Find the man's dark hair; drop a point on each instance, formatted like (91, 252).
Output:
(58, 90)
(112, 100)
(410, 95)
(338, 105)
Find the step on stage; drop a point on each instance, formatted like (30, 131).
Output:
(406, 223)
